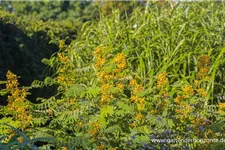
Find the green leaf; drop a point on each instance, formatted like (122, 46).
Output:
(113, 129)
(125, 107)
(104, 111)
(75, 90)
(170, 123)
(3, 92)
(92, 92)
(9, 121)
(3, 82)
(93, 118)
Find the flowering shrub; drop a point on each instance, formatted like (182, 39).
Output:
(121, 86)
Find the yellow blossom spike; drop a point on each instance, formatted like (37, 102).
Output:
(61, 44)
(189, 90)
(120, 61)
(133, 82)
(162, 80)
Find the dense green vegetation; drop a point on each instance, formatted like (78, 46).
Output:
(118, 81)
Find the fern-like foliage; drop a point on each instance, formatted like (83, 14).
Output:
(20, 141)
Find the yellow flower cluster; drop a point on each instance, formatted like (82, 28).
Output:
(202, 92)
(203, 70)
(162, 83)
(100, 62)
(99, 50)
(113, 149)
(120, 86)
(12, 82)
(61, 44)
(80, 124)
(204, 61)
(203, 66)
(17, 99)
(62, 58)
(137, 88)
(179, 99)
(104, 77)
(162, 80)
(120, 61)
(154, 111)
(72, 100)
(106, 94)
(139, 116)
(133, 82)
(221, 108)
(184, 111)
(99, 53)
(101, 147)
(196, 83)
(64, 72)
(189, 90)
(95, 129)
(105, 87)
(64, 148)
(108, 78)
(202, 74)
(20, 140)
(132, 125)
(63, 79)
